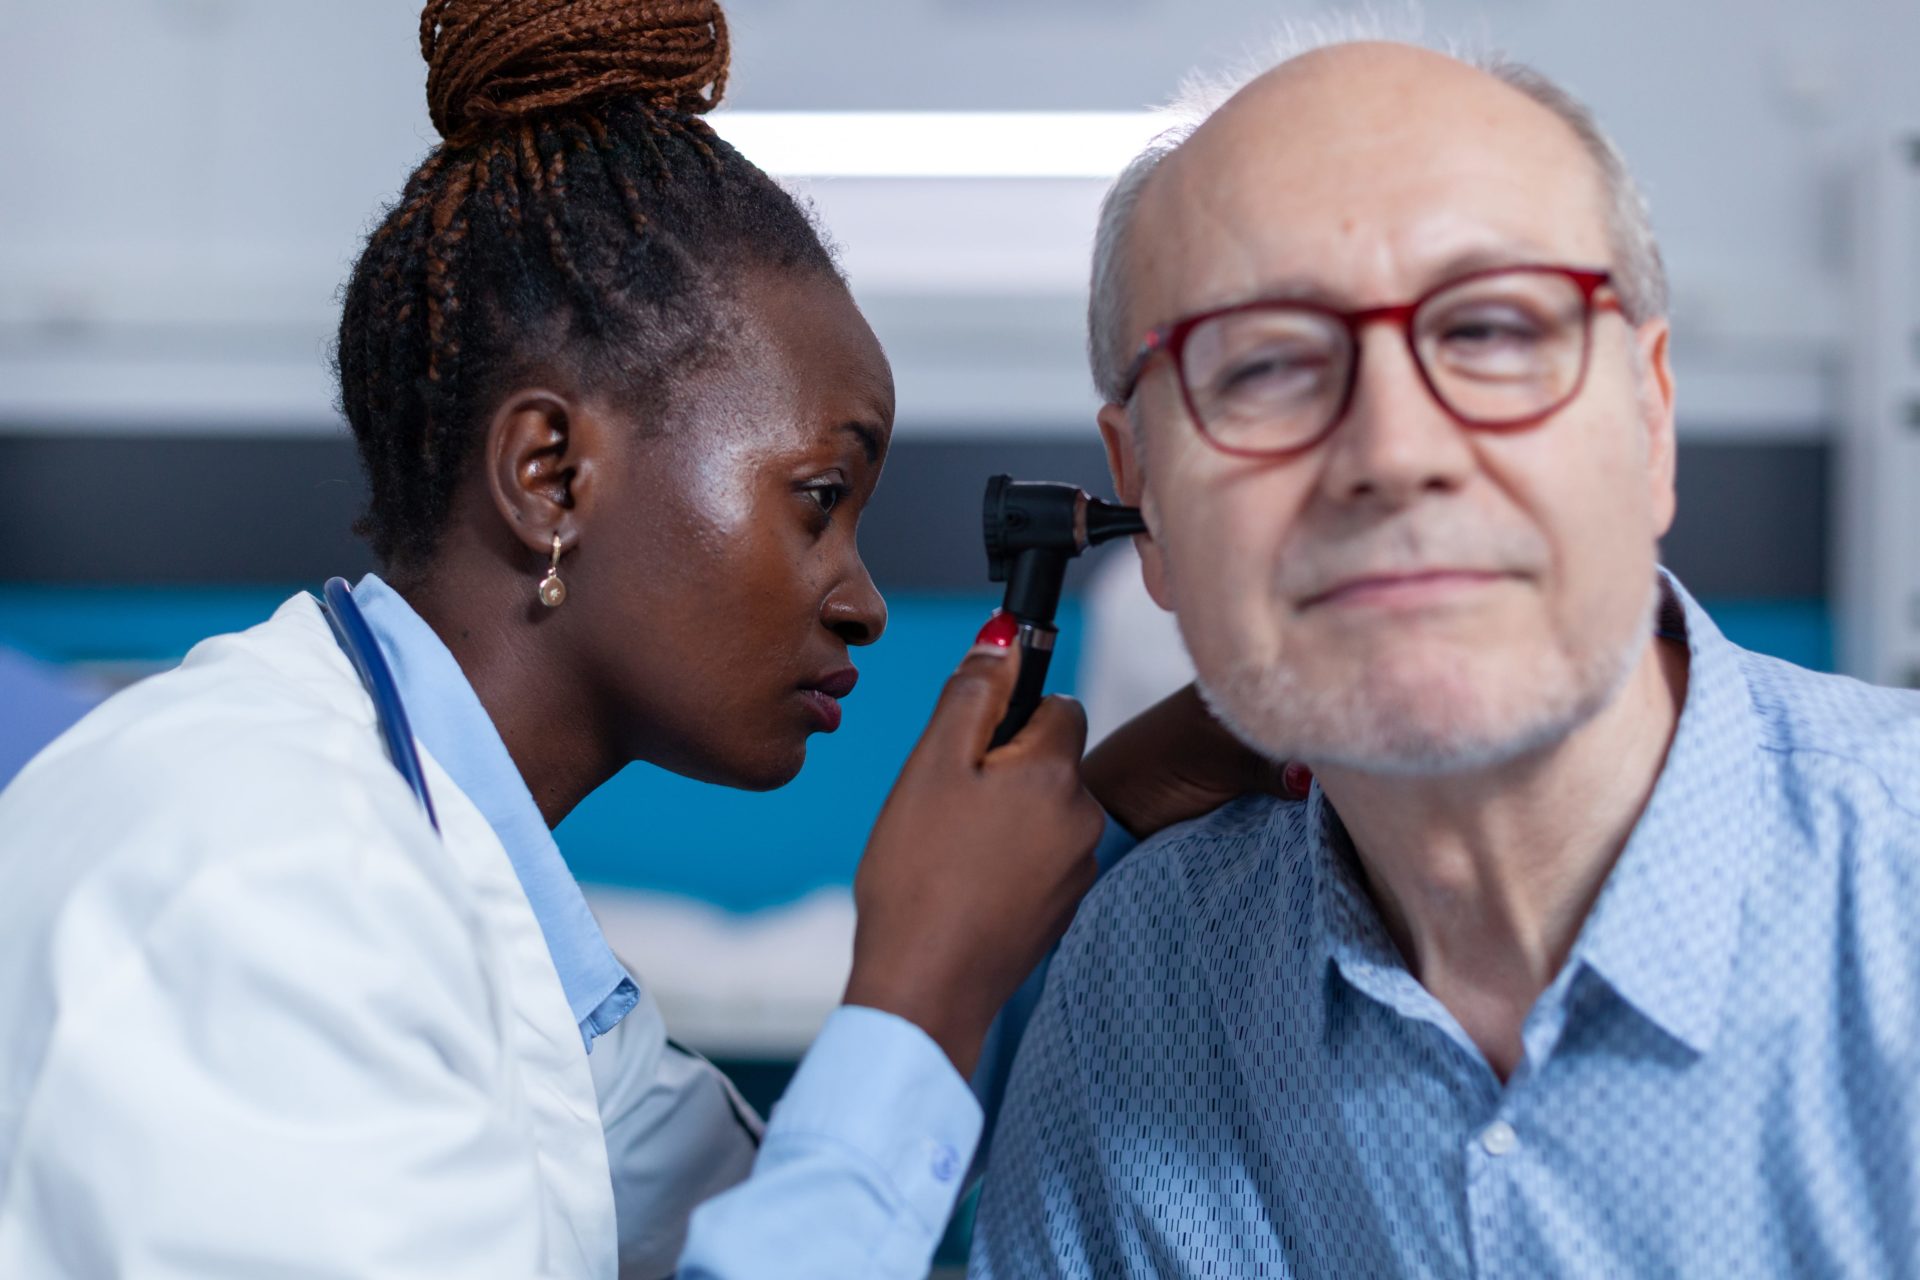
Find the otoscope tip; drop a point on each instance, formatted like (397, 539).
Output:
(1109, 520)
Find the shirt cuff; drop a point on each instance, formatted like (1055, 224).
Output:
(877, 1084)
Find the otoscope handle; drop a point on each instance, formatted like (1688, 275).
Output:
(1033, 529)
(1036, 654)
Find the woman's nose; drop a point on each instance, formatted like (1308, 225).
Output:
(855, 611)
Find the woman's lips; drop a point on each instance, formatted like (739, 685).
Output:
(825, 709)
(823, 696)
(837, 685)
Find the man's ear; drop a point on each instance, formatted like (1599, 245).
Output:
(541, 452)
(1130, 486)
(1656, 415)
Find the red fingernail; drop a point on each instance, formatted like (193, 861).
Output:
(1297, 779)
(1001, 631)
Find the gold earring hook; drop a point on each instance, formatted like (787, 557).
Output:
(553, 592)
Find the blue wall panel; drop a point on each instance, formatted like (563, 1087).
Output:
(653, 830)
(743, 850)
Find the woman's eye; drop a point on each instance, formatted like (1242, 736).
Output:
(828, 496)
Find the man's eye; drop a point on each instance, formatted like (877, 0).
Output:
(1488, 329)
(1273, 378)
(1280, 369)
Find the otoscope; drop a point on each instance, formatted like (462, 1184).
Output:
(1033, 528)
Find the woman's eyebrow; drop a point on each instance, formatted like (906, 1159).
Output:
(869, 437)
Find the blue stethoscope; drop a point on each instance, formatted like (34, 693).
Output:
(356, 639)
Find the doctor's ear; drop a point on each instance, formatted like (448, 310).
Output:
(541, 453)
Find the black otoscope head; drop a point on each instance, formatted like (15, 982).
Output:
(1033, 528)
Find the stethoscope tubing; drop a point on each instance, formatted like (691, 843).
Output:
(363, 651)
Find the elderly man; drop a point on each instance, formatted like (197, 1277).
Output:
(1593, 950)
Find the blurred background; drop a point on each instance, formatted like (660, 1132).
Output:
(184, 183)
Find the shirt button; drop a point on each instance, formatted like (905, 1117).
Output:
(946, 1163)
(1498, 1138)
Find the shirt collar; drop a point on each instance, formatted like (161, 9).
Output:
(1354, 940)
(1665, 927)
(449, 720)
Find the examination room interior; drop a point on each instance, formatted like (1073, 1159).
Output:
(184, 185)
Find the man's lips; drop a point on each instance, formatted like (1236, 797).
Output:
(823, 696)
(1414, 587)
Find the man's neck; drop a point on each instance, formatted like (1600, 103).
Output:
(1483, 879)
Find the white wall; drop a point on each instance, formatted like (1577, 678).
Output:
(183, 182)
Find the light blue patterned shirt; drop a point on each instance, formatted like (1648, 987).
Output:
(1232, 1072)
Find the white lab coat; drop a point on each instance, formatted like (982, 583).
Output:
(258, 1019)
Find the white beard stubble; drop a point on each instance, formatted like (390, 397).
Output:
(1435, 724)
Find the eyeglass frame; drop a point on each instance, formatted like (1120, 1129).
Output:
(1170, 339)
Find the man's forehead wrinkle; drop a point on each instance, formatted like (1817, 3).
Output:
(1219, 249)
(1390, 159)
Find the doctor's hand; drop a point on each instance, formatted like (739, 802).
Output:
(1174, 761)
(978, 860)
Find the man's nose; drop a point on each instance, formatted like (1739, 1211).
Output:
(855, 610)
(1397, 441)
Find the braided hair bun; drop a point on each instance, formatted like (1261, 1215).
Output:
(581, 216)
(494, 61)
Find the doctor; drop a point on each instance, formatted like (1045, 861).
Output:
(293, 980)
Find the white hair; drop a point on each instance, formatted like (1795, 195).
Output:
(1639, 276)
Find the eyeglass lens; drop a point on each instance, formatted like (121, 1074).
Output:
(1495, 349)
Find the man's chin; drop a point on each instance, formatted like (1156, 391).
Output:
(1387, 742)
(1435, 751)
(1422, 701)
(1409, 723)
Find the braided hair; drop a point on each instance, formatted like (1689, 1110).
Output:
(578, 214)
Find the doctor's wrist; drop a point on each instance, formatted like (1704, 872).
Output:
(1172, 762)
(959, 1033)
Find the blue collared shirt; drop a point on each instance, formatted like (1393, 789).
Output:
(1233, 1073)
(449, 720)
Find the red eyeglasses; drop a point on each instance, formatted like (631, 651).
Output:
(1505, 347)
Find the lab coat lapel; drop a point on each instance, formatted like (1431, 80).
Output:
(540, 1036)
